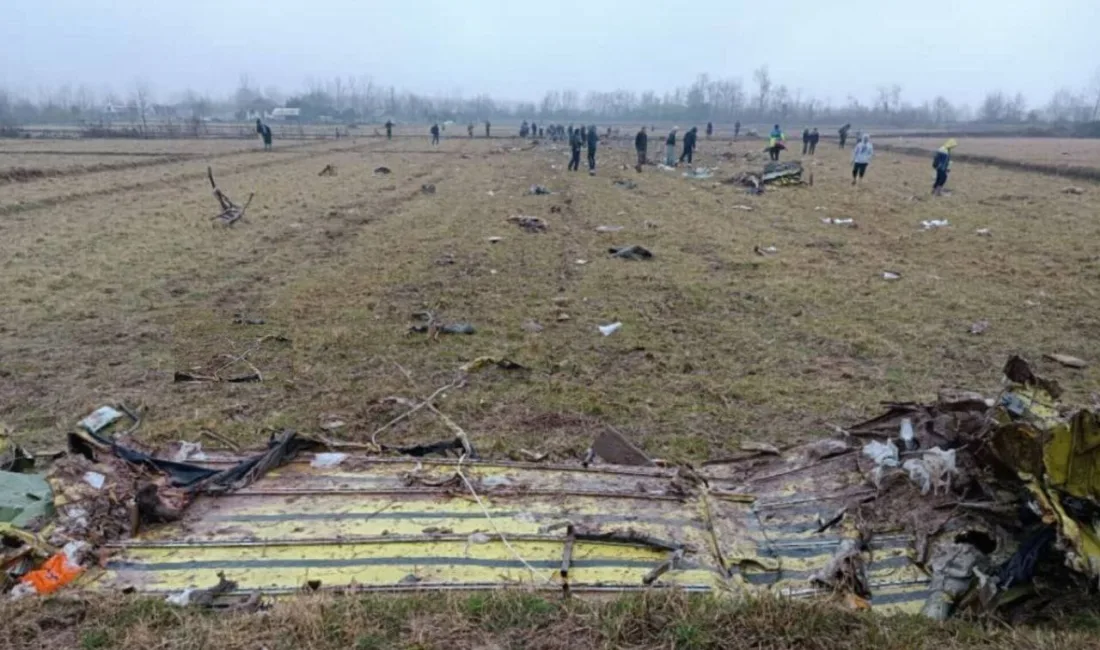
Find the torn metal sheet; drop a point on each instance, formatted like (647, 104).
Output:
(370, 523)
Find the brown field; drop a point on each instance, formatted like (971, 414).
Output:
(1048, 151)
(115, 279)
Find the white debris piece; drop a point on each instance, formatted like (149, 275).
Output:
(99, 419)
(838, 222)
(327, 459)
(189, 451)
(933, 471)
(885, 457)
(891, 275)
(934, 223)
(95, 479)
(608, 330)
(182, 599)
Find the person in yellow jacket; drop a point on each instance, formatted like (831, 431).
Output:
(776, 142)
(941, 162)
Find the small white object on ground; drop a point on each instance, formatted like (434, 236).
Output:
(99, 419)
(95, 479)
(890, 275)
(608, 228)
(984, 232)
(327, 459)
(608, 330)
(838, 222)
(934, 223)
(182, 599)
(493, 240)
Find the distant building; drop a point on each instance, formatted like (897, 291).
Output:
(285, 113)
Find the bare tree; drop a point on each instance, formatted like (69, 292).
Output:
(142, 98)
(764, 85)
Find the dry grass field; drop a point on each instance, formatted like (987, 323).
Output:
(1047, 151)
(115, 278)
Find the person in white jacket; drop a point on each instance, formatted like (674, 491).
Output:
(861, 157)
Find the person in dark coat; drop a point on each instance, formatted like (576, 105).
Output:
(689, 144)
(593, 142)
(814, 137)
(641, 145)
(435, 134)
(265, 134)
(736, 129)
(389, 130)
(843, 133)
(941, 162)
(805, 141)
(710, 129)
(576, 141)
(487, 125)
(470, 129)
(524, 129)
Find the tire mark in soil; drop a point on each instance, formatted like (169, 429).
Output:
(53, 201)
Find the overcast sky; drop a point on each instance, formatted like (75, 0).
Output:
(516, 49)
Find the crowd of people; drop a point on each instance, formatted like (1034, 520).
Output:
(588, 138)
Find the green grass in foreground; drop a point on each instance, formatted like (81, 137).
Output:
(511, 620)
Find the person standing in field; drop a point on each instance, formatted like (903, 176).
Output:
(776, 141)
(265, 134)
(689, 144)
(861, 158)
(470, 130)
(389, 130)
(942, 164)
(576, 141)
(435, 134)
(736, 129)
(641, 145)
(487, 125)
(710, 130)
(593, 142)
(814, 138)
(670, 147)
(843, 133)
(805, 141)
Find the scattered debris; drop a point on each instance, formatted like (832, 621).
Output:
(60, 569)
(979, 327)
(493, 240)
(329, 170)
(1073, 190)
(770, 250)
(665, 168)
(984, 232)
(839, 222)
(608, 228)
(625, 184)
(530, 224)
(608, 330)
(633, 252)
(934, 223)
(891, 275)
(1066, 360)
(613, 447)
(744, 208)
(699, 173)
(652, 225)
(427, 188)
(231, 212)
(580, 262)
(782, 173)
(241, 320)
(538, 190)
(484, 362)
(327, 459)
(101, 418)
(381, 171)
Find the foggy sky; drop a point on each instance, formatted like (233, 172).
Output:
(516, 50)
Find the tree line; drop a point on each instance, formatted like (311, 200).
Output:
(355, 99)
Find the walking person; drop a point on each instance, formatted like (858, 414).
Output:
(487, 125)
(470, 130)
(942, 164)
(861, 158)
(814, 138)
(805, 141)
(641, 145)
(435, 134)
(736, 129)
(710, 129)
(265, 134)
(389, 130)
(576, 141)
(843, 133)
(776, 141)
(593, 141)
(689, 144)
(670, 147)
